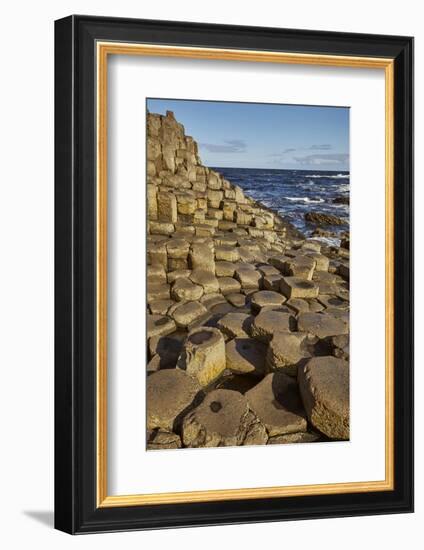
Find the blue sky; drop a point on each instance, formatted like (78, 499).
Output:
(255, 135)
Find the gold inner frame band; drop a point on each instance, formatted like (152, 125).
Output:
(103, 50)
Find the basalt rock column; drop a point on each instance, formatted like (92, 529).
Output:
(203, 356)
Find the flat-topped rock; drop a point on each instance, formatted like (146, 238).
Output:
(324, 387)
(268, 270)
(202, 256)
(330, 301)
(177, 248)
(248, 278)
(285, 351)
(295, 287)
(157, 291)
(228, 285)
(321, 261)
(222, 419)
(245, 355)
(172, 276)
(236, 299)
(300, 266)
(321, 325)
(187, 313)
(268, 322)
(226, 253)
(160, 307)
(224, 269)
(167, 348)
(203, 355)
(235, 325)
(156, 274)
(276, 402)
(169, 393)
(206, 280)
(159, 325)
(272, 282)
(212, 300)
(265, 298)
(185, 290)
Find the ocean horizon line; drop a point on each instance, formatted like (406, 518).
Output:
(216, 167)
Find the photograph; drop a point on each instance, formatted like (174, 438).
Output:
(247, 273)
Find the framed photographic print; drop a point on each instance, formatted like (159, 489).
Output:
(233, 274)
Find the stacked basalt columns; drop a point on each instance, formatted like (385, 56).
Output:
(247, 324)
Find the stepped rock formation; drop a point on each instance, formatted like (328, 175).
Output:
(269, 298)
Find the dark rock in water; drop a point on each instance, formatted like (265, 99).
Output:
(318, 232)
(340, 200)
(320, 218)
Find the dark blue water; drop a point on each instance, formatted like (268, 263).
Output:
(292, 193)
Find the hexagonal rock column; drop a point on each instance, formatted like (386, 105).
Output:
(265, 298)
(321, 324)
(245, 355)
(276, 402)
(269, 322)
(203, 356)
(184, 290)
(169, 393)
(235, 324)
(324, 387)
(285, 351)
(220, 420)
(294, 287)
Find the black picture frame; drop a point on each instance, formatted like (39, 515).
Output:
(76, 510)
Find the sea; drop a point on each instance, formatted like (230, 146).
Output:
(292, 193)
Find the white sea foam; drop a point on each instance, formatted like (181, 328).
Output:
(335, 176)
(304, 199)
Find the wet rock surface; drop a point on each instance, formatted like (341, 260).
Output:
(247, 321)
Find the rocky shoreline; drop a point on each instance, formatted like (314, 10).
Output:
(247, 322)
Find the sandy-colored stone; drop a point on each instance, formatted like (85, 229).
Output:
(276, 402)
(268, 322)
(187, 313)
(235, 325)
(265, 298)
(299, 437)
(161, 439)
(206, 280)
(272, 282)
(167, 207)
(224, 269)
(203, 355)
(321, 325)
(246, 355)
(285, 351)
(157, 291)
(156, 274)
(177, 248)
(248, 278)
(236, 299)
(222, 419)
(159, 325)
(212, 300)
(324, 387)
(202, 257)
(226, 253)
(294, 287)
(160, 307)
(186, 290)
(228, 285)
(172, 276)
(169, 394)
(161, 228)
